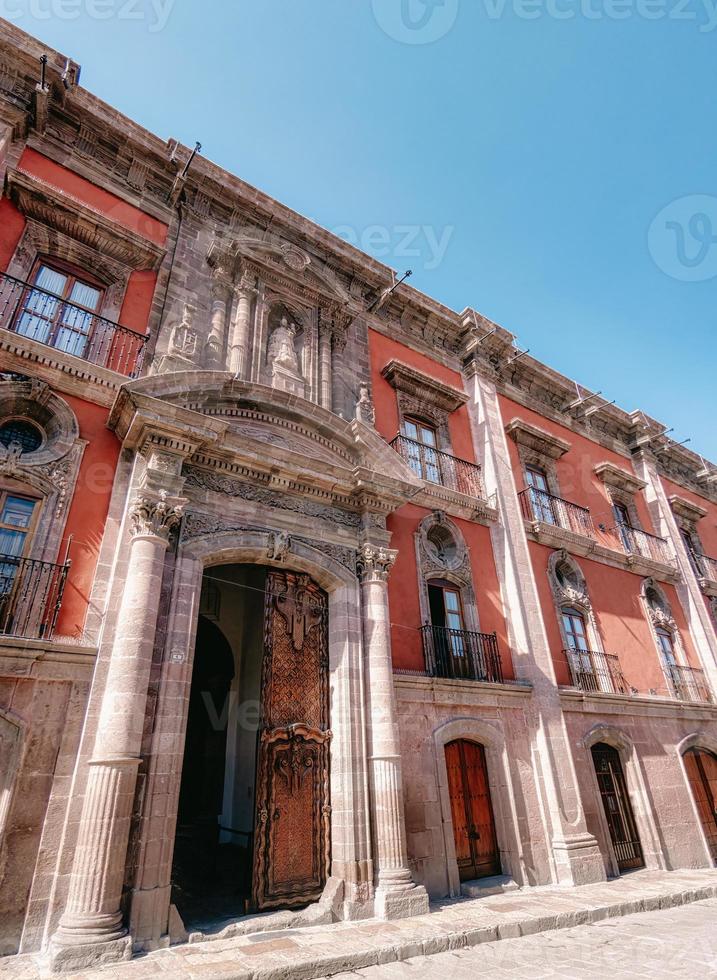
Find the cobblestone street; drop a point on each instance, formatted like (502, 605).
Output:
(679, 942)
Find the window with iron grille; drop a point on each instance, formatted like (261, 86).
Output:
(23, 433)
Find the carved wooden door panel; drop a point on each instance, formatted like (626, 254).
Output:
(291, 838)
(702, 772)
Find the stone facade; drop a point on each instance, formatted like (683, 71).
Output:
(232, 401)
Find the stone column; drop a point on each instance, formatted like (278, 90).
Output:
(574, 851)
(239, 344)
(91, 931)
(397, 895)
(325, 363)
(687, 587)
(214, 347)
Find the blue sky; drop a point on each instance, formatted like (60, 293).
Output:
(556, 172)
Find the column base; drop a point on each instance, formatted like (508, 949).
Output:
(83, 956)
(578, 860)
(400, 903)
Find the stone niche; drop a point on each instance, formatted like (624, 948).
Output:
(285, 351)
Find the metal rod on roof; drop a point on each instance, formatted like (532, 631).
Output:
(43, 70)
(581, 401)
(516, 356)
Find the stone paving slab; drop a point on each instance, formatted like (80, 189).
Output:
(321, 951)
(677, 945)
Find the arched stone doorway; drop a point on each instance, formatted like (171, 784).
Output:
(701, 768)
(617, 807)
(476, 842)
(253, 812)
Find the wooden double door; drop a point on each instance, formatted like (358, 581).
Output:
(292, 825)
(702, 772)
(477, 850)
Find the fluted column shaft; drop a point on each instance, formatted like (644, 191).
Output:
(325, 365)
(92, 914)
(396, 893)
(239, 346)
(217, 325)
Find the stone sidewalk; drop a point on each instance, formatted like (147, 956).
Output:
(320, 951)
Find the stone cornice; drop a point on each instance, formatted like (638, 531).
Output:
(414, 382)
(537, 439)
(614, 476)
(65, 373)
(634, 704)
(439, 690)
(686, 508)
(57, 209)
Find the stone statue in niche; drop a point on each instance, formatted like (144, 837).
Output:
(283, 359)
(282, 349)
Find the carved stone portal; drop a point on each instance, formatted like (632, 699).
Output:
(292, 831)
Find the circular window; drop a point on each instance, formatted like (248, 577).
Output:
(443, 542)
(24, 433)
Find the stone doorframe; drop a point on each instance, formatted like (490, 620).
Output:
(650, 839)
(698, 740)
(350, 827)
(491, 736)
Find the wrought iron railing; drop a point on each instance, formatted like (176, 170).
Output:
(593, 670)
(687, 683)
(40, 315)
(539, 505)
(435, 466)
(30, 596)
(461, 654)
(638, 542)
(704, 566)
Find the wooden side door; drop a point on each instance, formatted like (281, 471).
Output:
(292, 827)
(702, 772)
(617, 807)
(477, 851)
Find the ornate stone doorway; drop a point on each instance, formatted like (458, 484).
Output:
(253, 825)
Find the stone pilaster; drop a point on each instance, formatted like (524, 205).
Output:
(396, 893)
(239, 345)
(688, 588)
(576, 856)
(91, 931)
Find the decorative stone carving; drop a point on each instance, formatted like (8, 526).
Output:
(10, 459)
(365, 411)
(157, 517)
(567, 581)
(295, 258)
(374, 563)
(279, 546)
(206, 480)
(184, 338)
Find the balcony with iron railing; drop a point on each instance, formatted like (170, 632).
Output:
(639, 543)
(687, 683)
(461, 654)
(438, 467)
(545, 508)
(42, 316)
(593, 671)
(705, 567)
(30, 596)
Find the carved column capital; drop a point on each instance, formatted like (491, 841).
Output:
(374, 563)
(155, 516)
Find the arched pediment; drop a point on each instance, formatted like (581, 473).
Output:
(258, 425)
